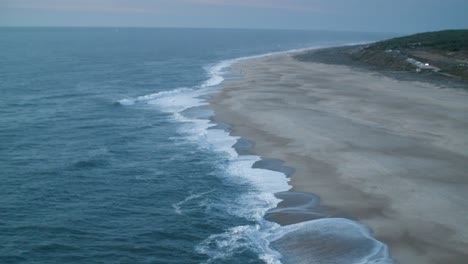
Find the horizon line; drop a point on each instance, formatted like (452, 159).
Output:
(227, 28)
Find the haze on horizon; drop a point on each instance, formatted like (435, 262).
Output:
(402, 16)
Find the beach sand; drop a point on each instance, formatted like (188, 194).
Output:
(389, 153)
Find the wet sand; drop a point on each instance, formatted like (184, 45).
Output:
(390, 153)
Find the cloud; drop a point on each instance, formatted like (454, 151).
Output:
(156, 6)
(272, 4)
(85, 6)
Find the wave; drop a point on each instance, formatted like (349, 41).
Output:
(178, 206)
(199, 129)
(335, 240)
(223, 246)
(258, 237)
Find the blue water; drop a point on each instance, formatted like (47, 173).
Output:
(103, 160)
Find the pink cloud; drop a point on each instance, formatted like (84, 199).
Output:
(288, 5)
(154, 6)
(88, 8)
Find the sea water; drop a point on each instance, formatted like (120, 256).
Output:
(107, 154)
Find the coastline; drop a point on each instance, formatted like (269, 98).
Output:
(363, 163)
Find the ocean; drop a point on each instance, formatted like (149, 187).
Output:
(108, 155)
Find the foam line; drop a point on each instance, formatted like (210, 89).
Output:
(265, 183)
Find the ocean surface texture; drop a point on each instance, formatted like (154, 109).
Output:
(107, 154)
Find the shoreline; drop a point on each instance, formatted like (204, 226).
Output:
(341, 197)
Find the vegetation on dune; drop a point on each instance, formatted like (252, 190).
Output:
(438, 54)
(446, 40)
(447, 51)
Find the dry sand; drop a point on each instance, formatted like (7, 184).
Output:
(391, 154)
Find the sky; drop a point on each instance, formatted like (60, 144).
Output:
(397, 16)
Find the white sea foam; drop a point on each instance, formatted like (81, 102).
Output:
(225, 245)
(216, 73)
(127, 101)
(178, 206)
(253, 204)
(336, 240)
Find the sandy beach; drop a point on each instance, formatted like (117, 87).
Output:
(391, 154)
